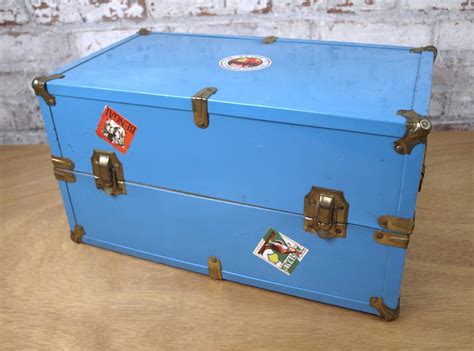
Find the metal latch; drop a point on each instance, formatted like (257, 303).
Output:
(201, 116)
(325, 212)
(108, 172)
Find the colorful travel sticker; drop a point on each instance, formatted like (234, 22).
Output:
(245, 62)
(280, 251)
(116, 129)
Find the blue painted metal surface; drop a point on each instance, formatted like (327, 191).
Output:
(331, 85)
(323, 114)
(249, 161)
(183, 231)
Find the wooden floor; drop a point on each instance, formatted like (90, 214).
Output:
(59, 295)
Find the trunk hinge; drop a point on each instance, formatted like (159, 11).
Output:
(39, 86)
(417, 129)
(385, 312)
(325, 213)
(144, 31)
(402, 229)
(63, 168)
(431, 48)
(199, 100)
(269, 39)
(77, 233)
(215, 268)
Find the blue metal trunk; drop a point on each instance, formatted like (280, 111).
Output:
(287, 116)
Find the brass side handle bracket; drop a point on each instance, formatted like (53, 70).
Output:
(62, 168)
(215, 268)
(39, 86)
(417, 129)
(397, 224)
(400, 240)
(325, 213)
(108, 172)
(200, 112)
(402, 229)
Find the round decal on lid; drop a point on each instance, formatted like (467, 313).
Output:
(245, 62)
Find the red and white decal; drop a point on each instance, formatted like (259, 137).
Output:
(116, 129)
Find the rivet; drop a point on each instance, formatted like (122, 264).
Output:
(399, 148)
(379, 235)
(425, 124)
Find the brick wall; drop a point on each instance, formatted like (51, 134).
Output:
(38, 36)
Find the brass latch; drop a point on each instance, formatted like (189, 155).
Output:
(200, 113)
(108, 172)
(325, 212)
(417, 129)
(63, 168)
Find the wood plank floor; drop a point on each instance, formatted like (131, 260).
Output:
(59, 295)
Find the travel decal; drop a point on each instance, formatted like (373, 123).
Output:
(115, 129)
(245, 62)
(280, 251)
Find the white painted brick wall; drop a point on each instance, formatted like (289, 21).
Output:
(37, 36)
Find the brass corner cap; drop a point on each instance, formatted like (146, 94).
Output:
(417, 128)
(431, 48)
(385, 312)
(39, 86)
(77, 233)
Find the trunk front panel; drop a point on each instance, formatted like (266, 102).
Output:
(184, 230)
(266, 164)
